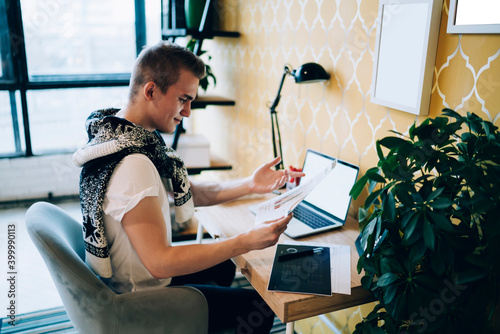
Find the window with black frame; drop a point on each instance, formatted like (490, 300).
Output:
(78, 56)
(10, 132)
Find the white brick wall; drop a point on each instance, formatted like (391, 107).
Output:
(36, 177)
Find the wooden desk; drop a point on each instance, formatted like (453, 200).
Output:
(227, 220)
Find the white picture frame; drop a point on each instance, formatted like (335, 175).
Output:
(405, 54)
(474, 17)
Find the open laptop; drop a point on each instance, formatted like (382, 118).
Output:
(327, 205)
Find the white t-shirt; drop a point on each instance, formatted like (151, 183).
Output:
(133, 179)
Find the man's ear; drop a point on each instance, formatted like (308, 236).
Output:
(148, 90)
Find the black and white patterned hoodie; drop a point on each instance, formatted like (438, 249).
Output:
(111, 139)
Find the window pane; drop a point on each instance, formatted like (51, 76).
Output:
(57, 116)
(153, 21)
(11, 133)
(79, 36)
(5, 56)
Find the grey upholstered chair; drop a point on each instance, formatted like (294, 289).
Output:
(91, 306)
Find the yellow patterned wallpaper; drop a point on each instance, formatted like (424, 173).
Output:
(336, 117)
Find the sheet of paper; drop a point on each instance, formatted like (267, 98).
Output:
(341, 269)
(282, 205)
(340, 260)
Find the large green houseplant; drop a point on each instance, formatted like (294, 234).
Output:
(430, 228)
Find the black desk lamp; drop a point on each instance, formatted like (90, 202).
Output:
(307, 73)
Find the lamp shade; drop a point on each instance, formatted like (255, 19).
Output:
(309, 73)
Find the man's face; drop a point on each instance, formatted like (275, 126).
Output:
(175, 104)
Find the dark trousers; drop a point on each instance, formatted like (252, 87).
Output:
(230, 310)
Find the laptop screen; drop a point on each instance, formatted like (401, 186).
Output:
(332, 194)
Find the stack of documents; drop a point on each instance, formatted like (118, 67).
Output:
(282, 205)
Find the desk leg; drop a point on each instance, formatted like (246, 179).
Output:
(199, 233)
(290, 326)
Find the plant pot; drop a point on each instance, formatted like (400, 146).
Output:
(194, 12)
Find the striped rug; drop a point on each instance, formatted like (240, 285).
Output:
(56, 320)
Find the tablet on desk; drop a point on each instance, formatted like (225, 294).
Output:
(317, 273)
(310, 273)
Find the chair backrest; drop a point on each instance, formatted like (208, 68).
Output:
(93, 307)
(58, 238)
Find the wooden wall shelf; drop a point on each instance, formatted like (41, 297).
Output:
(215, 164)
(196, 34)
(203, 101)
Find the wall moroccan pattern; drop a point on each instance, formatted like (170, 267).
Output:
(336, 117)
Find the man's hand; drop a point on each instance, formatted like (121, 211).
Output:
(265, 179)
(266, 234)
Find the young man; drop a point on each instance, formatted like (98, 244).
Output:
(125, 206)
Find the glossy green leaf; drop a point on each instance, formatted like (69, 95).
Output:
(368, 266)
(389, 206)
(389, 326)
(486, 128)
(441, 203)
(417, 252)
(410, 227)
(435, 194)
(440, 121)
(372, 317)
(411, 131)
(390, 293)
(362, 214)
(415, 236)
(374, 174)
(380, 153)
(391, 142)
(407, 218)
(389, 264)
(429, 236)
(371, 186)
(471, 275)
(452, 113)
(367, 236)
(441, 221)
(403, 196)
(477, 259)
(372, 197)
(386, 279)
(399, 306)
(358, 187)
(366, 282)
(360, 264)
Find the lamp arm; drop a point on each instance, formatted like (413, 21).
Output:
(275, 129)
(287, 70)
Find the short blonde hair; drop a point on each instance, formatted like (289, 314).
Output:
(162, 64)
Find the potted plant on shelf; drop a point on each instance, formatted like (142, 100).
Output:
(430, 229)
(204, 83)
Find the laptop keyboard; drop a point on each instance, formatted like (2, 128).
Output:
(310, 218)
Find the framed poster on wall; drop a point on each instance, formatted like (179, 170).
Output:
(474, 17)
(405, 53)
